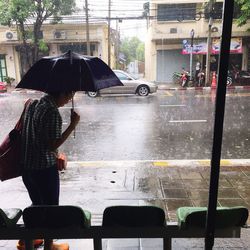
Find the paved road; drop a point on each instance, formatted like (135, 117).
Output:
(164, 126)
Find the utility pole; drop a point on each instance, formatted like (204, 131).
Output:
(109, 38)
(87, 26)
(191, 54)
(209, 41)
(117, 44)
(145, 13)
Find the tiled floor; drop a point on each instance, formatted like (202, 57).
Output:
(105, 184)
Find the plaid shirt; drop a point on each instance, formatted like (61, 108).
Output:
(42, 123)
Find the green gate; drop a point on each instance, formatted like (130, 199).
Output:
(3, 69)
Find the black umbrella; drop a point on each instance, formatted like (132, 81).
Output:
(69, 72)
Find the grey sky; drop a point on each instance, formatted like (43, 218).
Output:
(98, 10)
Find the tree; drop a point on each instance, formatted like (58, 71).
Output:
(244, 13)
(140, 52)
(23, 12)
(132, 48)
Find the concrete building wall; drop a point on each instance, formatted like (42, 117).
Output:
(71, 34)
(160, 37)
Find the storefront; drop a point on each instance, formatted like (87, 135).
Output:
(3, 68)
(200, 50)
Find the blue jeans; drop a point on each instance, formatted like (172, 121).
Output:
(43, 185)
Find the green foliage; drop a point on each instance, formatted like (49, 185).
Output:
(19, 12)
(15, 11)
(42, 45)
(9, 80)
(5, 17)
(244, 15)
(132, 48)
(140, 52)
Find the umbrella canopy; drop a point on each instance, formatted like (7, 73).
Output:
(69, 72)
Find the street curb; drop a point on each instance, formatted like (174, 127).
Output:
(164, 87)
(24, 91)
(166, 163)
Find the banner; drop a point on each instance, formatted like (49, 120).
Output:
(201, 48)
(235, 45)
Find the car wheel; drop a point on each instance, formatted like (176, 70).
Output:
(143, 90)
(92, 94)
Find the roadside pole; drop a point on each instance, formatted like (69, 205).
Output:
(209, 41)
(228, 10)
(191, 55)
(87, 26)
(109, 35)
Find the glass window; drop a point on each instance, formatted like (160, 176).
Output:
(121, 76)
(175, 12)
(217, 11)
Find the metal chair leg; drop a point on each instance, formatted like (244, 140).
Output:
(97, 243)
(167, 243)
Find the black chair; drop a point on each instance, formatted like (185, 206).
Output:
(9, 217)
(135, 222)
(48, 222)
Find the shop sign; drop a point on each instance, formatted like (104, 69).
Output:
(235, 45)
(201, 48)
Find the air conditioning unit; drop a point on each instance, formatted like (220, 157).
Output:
(11, 35)
(59, 34)
(215, 29)
(173, 30)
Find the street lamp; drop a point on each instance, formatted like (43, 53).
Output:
(191, 54)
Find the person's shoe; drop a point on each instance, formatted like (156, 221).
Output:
(36, 243)
(62, 246)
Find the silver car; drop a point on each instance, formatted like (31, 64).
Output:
(131, 86)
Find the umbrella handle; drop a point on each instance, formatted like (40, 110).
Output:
(72, 110)
(74, 132)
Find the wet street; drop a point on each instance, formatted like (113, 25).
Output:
(167, 125)
(130, 150)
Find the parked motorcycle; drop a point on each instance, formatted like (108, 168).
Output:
(239, 76)
(229, 78)
(185, 77)
(176, 77)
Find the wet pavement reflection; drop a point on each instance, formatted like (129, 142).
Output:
(166, 125)
(96, 185)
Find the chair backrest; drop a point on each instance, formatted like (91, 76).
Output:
(9, 217)
(225, 217)
(133, 216)
(55, 216)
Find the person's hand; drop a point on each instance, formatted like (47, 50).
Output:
(75, 118)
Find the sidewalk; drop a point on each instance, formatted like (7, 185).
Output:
(161, 86)
(167, 184)
(173, 86)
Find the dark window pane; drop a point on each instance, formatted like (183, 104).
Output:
(175, 12)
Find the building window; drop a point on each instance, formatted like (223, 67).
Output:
(3, 69)
(78, 48)
(216, 13)
(176, 12)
